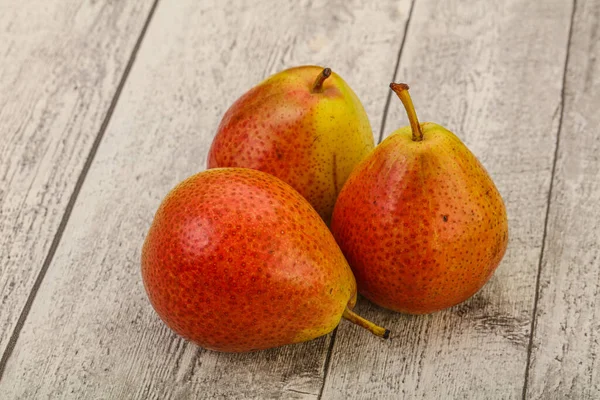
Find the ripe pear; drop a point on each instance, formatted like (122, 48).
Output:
(236, 260)
(304, 125)
(420, 220)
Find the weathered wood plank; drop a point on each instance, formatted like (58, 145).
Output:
(60, 66)
(91, 331)
(566, 348)
(492, 73)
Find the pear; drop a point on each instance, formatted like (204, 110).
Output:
(420, 220)
(304, 125)
(236, 260)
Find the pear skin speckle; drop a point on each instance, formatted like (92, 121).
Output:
(236, 260)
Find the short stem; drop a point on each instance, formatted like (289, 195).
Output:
(318, 85)
(360, 321)
(401, 89)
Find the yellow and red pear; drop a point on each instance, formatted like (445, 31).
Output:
(304, 125)
(420, 220)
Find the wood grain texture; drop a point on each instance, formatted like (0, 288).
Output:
(91, 332)
(566, 348)
(61, 63)
(491, 73)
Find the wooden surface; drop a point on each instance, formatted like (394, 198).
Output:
(518, 81)
(566, 340)
(61, 63)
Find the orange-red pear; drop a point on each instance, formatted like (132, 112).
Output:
(236, 260)
(420, 220)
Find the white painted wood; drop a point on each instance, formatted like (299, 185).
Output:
(566, 349)
(492, 73)
(91, 332)
(60, 65)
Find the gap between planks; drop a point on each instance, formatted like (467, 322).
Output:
(73, 198)
(396, 67)
(546, 218)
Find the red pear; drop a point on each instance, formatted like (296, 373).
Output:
(420, 220)
(236, 260)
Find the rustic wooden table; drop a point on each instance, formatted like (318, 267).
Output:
(106, 105)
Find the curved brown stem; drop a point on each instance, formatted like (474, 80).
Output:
(401, 89)
(318, 85)
(360, 321)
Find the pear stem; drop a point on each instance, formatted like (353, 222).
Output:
(360, 321)
(318, 85)
(401, 89)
